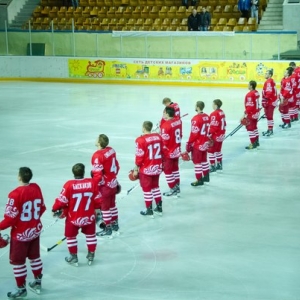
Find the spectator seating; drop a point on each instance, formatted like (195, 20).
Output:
(136, 14)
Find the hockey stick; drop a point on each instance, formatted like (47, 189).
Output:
(157, 125)
(239, 127)
(131, 189)
(55, 245)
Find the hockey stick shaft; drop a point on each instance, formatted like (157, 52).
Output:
(157, 125)
(55, 245)
(131, 189)
(51, 224)
(240, 126)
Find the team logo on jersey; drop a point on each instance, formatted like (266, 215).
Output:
(165, 136)
(11, 211)
(195, 129)
(176, 153)
(30, 234)
(139, 152)
(82, 221)
(153, 170)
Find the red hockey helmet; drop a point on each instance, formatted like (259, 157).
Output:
(4, 240)
(185, 156)
(133, 177)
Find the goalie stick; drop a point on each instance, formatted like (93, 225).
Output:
(157, 125)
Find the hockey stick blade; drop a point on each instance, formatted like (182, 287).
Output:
(58, 243)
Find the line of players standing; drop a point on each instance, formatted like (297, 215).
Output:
(155, 153)
(288, 98)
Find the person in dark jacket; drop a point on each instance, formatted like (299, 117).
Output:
(193, 21)
(204, 20)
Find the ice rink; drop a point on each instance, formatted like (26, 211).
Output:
(235, 239)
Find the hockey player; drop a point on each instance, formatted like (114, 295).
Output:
(77, 202)
(148, 166)
(252, 114)
(285, 96)
(104, 172)
(198, 144)
(269, 101)
(295, 101)
(171, 133)
(167, 102)
(217, 129)
(23, 213)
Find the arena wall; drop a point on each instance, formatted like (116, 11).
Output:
(225, 73)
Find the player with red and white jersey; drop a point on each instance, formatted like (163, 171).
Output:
(105, 168)
(198, 144)
(252, 114)
(269, 101)
(148, 161)
(77, 202)
(167, 102)
(171, 133)
(216, 132)
(285, 96)
(23, 213)
(294, 103)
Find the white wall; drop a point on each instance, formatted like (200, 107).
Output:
(13, 8)
(291, 17)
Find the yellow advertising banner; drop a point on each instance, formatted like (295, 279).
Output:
(183, 70)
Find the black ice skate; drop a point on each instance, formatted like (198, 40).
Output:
(115, 227)
(219, 167)
(285, 125)
(19, 293)
(106, 232)
(158, 209)
(206, 178)
(198, 182)
(72, 260)
(36, 285)
(269, 132)
(251, 146)
(171, 192)
(177, 187)
(147, 212)
(212, 169)
(90, 257)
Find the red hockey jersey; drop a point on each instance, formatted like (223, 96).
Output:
(217, 125)
(105, 167)
(23, 212)
(148, 154)
(269, 93)
(79, 198)
(252, 104)
(177, 113)
(171, 133)
(199, 132)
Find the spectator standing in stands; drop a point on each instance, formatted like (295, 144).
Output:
(75, 3)
(204, 18)
(244, 7)
(193, 21)
(185, 3)
(254, 9)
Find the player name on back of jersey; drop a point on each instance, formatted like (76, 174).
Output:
(174, 124)
(152, 138)
(81, 186)
(109, 153)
